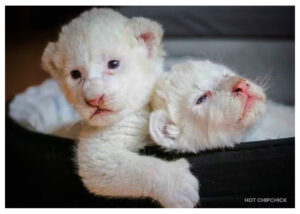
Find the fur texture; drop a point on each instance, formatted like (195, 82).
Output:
(201, 105)
(113, 104)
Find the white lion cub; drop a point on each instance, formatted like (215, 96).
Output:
(106, 65)
(202, 105)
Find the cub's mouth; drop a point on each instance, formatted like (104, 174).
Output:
(101, 112)
(250, 100)
(249, 104)
(99, 108)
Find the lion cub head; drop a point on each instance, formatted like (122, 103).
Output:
(202, 105)
(106, 64)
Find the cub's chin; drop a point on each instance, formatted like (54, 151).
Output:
(251, 112)
(101, 116)
(102, 119)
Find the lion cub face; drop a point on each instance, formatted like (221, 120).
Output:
(206, 105)
(106, 64)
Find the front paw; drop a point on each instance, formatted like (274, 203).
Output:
(177, 186)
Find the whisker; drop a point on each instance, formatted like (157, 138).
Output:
(256, 79)
(267, 88)
(262, 80)
(266, 83)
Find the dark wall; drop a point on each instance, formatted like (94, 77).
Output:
(204, 21)
(24, 22)
(221, 21)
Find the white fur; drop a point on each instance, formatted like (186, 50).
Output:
(177, 122)
(107, 153)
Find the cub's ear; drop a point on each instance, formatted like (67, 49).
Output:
(149, 33)
(162, 130)
(50, 59)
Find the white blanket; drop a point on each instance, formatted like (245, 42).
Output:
(43, 108)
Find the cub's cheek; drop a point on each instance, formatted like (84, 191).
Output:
(235, 108)
(75, 98)
(257, 91)
(84, 111)
(69, 94)
(255, 114)
(261, 109)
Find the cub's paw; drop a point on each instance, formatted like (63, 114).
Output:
(178, 187)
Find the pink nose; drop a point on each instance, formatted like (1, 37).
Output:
(240, 87)
(96, 101)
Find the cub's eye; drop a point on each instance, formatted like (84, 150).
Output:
(75, 74)
(113, 64)
(203, 97)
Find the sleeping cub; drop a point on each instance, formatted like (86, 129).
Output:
(202, 105)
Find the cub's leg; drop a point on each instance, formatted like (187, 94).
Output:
(110, 170)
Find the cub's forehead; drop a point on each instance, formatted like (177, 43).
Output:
(199, 75)
(98, 29)
(185, 80)
(95, 21)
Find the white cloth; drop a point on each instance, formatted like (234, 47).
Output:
(42, 108)
(278, 122)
